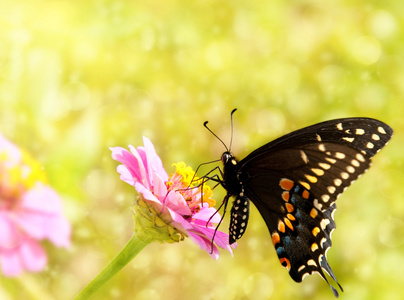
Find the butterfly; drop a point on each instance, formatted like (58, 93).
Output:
(294, 182)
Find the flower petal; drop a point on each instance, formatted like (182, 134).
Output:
(153, 160)
(206, 213)
(33, 256)
(28, 255)
(146, 193)
(176, 202)
(58, 231)
(159, 187)
(142, 163)
(41, 216)
(11, 264)
(9, 236)
(131, 161)
(205, 244)
(43, 199)
(125, 174)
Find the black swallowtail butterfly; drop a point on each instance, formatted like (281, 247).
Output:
(294, 182)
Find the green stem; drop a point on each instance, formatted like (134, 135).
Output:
(131, 249)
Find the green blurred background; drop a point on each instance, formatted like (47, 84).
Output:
(77, 77)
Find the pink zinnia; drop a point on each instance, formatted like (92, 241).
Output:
(183, 208)
(30, 211)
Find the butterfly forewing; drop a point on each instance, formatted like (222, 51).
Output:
(365, 134)
(294, 182)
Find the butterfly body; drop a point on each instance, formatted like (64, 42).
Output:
(294, 182)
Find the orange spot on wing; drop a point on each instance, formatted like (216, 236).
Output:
(276, 238)
(289, 207)
(285, 262)
(286, 184)
(306, 194)
(285, 196)
(281, 226)
(315, 231)
(288, 223)
(291, 217)
(313, 213)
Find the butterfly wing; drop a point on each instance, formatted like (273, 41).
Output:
(295, 180)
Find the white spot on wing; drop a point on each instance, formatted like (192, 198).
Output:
(381, 130)
(325, 197)
(344, 175)
(304, 156)
(311, 262)
(375, 137)
(331, 189)
(317, 205)
(324, 166)
(355, 163)
(360, 157)
(350, 169)
(339, 155)
(301, 268)
(331, 160)
(348, 139)
(318, 172)
(337, 182)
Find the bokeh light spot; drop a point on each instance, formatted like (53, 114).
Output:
(258, 286)
(382, 23)
(147, 294)
(366, 50)
(371, 97)
(391, 232)
(75, 95)
(332, 79)
(100, 184)
(391, 69)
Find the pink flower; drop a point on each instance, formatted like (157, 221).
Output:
(30, 211)
(183, 207)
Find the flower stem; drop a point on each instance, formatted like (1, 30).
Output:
(131, 249)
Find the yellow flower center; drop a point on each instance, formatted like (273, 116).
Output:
(18, 177)
(192, 188)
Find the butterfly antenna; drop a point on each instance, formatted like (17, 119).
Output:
(231, 118)
(206, 126)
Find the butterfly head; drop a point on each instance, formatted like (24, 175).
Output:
(228, 158)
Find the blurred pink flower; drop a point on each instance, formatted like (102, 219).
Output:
(177, 202)
(30, 211)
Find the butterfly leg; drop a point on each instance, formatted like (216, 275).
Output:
(224, 205)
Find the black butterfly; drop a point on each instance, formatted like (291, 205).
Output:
(294, 182)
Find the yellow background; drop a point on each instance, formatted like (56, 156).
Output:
(77, 77)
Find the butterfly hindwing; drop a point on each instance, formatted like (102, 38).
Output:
(301, 233)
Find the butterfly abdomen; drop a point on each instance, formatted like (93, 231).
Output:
(240, 212)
